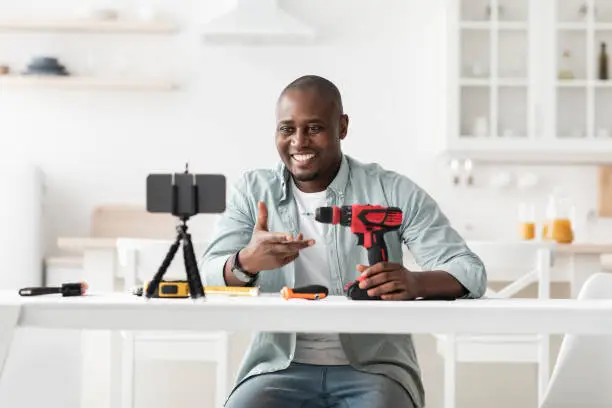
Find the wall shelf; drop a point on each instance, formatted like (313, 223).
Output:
(488, 25)
(530, 156)
(75, 82)
(505, 82)
(581, 83)
(571, 26)
(580, 26)
(519, 150)
(91, 26)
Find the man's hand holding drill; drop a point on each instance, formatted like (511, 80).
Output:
(390, 281)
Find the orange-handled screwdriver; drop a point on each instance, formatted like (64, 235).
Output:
(310, 292)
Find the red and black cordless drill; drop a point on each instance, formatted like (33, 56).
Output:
(369, 223)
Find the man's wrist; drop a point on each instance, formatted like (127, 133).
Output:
(420, 289)
(234, 274)
(245, 262)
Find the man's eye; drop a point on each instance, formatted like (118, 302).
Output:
(286, 130)
(314, 129)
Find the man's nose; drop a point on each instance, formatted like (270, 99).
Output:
(300, 138)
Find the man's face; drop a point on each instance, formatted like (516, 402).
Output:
(308, 133)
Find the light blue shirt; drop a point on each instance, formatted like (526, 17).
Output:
(426, 232)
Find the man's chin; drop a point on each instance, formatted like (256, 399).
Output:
(304, 177)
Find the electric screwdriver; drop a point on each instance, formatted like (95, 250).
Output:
(369, 223)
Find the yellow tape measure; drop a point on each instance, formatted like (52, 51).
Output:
(180, 289)
(170, 289)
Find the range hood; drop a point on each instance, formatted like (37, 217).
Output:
(257, 21)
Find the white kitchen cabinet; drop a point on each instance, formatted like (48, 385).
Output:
(508, 99)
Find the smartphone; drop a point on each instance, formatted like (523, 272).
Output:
(186, 194)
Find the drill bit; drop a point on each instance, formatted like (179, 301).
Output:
(308, 214)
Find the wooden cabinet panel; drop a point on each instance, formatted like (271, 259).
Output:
(605, 191)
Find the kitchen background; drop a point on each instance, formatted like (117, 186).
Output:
(212, 105)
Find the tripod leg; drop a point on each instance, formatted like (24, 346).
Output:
(152, 288)
(196, 289)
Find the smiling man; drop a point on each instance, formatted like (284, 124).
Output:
(265, 239)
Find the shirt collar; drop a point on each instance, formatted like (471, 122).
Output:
(338, 184)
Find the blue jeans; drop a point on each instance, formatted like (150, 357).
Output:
(314, 386)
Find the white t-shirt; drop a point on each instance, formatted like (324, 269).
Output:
(311, 268)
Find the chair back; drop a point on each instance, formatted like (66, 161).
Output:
(582, 374)
(519, 263)
(140, 259)
(132, 221)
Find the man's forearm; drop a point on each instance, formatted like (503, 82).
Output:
(439, 284)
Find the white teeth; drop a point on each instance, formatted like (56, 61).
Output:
(303, 157)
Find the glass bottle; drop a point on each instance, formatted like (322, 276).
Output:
(565, 66)
(489, 12)
(603, 63)
(583, 12)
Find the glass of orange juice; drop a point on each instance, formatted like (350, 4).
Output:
(562, 231)
(527, 222)
(559, 226)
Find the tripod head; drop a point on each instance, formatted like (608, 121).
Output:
(184, 195)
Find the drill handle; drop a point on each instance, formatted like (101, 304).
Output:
(377, 249)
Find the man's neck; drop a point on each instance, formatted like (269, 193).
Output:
(321, 183)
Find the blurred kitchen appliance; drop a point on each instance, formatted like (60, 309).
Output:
(21, 217)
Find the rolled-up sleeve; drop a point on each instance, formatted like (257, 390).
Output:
(232, 232)
(434, 243)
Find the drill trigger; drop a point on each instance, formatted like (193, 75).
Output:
(360, 239)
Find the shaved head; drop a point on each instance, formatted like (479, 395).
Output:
(324, 88)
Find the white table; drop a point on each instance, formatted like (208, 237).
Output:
(270, 312)
(573, 263)
(113, 311)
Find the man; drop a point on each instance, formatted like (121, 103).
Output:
(265, 239)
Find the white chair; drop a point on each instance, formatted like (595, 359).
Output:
(581, 377)
(521, 264)
(139, 259)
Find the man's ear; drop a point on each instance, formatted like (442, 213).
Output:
(344, 121)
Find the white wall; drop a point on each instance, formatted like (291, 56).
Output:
(386, 56)
(91, 144)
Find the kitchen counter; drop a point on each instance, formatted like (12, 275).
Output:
(585, 248)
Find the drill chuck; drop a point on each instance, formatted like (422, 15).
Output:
(324, 214)
(334, 215)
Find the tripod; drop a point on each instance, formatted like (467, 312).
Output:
(196, 289)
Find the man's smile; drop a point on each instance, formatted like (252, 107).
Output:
(303, 158)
